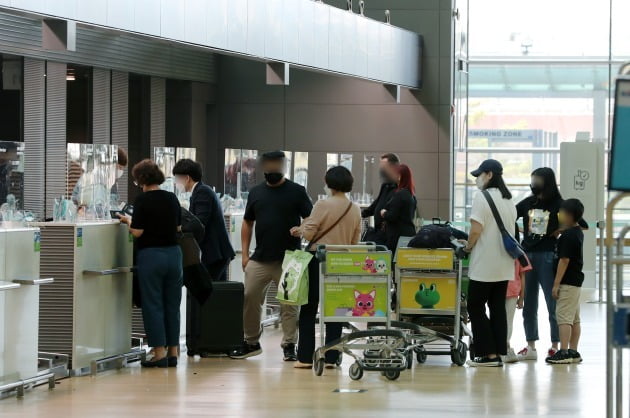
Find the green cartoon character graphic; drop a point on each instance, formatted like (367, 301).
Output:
(427, 297)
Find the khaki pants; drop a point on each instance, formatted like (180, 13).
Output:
(258, 277)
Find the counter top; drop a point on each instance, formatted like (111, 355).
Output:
(8, 285)
(78, 224)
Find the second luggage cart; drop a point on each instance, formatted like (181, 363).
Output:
(430, 299)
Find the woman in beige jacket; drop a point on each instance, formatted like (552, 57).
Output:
(334, 221)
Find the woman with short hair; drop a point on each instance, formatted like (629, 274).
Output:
(333, 221)
(491, 267)
(155, 224)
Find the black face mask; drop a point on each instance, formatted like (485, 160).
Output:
(274, 178)
(536, 189)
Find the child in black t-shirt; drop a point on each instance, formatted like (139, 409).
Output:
(568, 283)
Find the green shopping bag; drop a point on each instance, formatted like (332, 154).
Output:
(293, 286)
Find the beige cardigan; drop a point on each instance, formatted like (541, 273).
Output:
(325, 213)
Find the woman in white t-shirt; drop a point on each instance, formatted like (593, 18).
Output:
(491, 267)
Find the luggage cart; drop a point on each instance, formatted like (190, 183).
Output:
(355, 286)
(429, 288)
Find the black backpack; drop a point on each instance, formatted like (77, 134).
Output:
(436, 235)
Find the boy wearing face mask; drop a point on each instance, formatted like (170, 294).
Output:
(273, 208)
(388, 174)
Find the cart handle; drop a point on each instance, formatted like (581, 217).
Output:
(349, 248)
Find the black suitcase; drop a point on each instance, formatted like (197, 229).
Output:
(216, 327)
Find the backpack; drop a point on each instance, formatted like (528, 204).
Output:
(436, 235)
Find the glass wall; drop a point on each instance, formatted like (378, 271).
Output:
(540, 74)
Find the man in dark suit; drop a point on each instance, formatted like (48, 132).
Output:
(216, 249)
(387, 168)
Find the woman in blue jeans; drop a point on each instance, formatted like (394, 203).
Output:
(155, 224)
(541, 229)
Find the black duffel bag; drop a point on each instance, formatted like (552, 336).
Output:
(437, 235)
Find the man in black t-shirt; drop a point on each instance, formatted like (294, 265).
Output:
(568, 282)
(273, 208)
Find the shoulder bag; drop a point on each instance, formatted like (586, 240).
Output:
(510, 244)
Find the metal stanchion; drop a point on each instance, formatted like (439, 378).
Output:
(601, 225)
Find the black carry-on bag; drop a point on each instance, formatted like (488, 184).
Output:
(216, 327)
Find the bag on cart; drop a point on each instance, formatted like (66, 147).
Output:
(215, 327)
(436, 235)
(293, 286)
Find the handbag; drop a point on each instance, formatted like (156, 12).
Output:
(511, 245)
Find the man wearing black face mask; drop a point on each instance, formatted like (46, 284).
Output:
(387, 168)
(273, 208)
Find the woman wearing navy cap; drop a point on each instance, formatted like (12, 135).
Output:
(491, 267)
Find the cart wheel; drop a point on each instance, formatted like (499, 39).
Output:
(318, 367)
(356, 371)
(421, 356)
(339, 359)
(458, 355)
(392, 374)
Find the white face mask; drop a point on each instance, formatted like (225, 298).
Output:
(180, 187)
(480, 181)
(119, 173)
(327, 190)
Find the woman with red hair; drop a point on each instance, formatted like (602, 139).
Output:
(400, 210)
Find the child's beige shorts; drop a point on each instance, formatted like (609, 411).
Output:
(568, 305)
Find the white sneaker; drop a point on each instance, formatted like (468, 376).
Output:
(510, 357)
(528, 353)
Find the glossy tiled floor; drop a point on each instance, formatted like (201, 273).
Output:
(265, 386)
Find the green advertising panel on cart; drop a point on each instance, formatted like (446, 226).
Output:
(428, 292)
(353, 300)
(363, 263)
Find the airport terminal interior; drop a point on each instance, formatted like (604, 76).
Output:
(314, 208)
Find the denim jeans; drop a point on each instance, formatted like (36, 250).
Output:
(542, 276)
(160, 278)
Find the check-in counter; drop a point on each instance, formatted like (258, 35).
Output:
(20, 283)
(86, 313)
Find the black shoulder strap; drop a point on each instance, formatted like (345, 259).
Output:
(494, 210)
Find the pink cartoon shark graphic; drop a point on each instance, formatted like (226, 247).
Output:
(363, 303)
(369, 265)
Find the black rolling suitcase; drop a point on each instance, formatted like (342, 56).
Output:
(216, 327)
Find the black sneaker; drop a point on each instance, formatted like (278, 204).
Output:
(485, 362)
(576, 358)
(560, 357)
(289, 352)
(246, 350)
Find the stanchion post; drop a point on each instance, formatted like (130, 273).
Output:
(601, 226)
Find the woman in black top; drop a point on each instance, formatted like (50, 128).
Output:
(155, 224)
(400, 210)
(540, 232)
